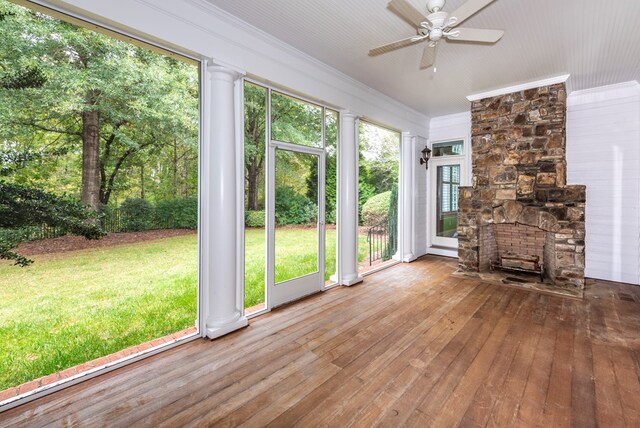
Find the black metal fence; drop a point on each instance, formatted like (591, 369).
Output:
(379, 243)
(36, 233)
(111, 221)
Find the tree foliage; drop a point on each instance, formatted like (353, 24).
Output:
(63, 87)
(376, 209)
(55, 77)
(292, 121)
(22, 206)
(378, 161)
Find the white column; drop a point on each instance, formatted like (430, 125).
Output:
(348, 200)
(219, 248)
(406, 199)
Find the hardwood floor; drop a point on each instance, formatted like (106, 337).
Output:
(412, 345)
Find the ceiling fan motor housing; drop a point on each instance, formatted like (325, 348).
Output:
(437, 19)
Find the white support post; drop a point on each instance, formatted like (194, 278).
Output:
(407, 200)
(219, 224)
(348, 200)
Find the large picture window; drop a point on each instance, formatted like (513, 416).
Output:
(379, 161)
(99, 180)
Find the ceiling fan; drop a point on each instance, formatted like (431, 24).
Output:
(437, 25)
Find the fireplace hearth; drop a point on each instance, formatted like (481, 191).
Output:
(520, 214)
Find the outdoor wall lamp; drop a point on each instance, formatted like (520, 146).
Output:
(426, 155)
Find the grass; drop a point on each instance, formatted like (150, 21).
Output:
(70, 308)
(295, 256)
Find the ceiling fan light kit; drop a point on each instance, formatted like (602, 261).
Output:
(436, 26)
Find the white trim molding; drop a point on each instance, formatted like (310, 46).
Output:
(520, 87)
(603, 93)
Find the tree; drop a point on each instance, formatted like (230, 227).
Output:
(378, 161)
(292, 120)
(106, 99)
(255, 110)
(22, 206)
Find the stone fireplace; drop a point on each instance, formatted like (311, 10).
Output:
(519, 210)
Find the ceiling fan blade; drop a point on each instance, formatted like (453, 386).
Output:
(395, 45)
(407, 12)
(476, 35)
(468, 9)
(428, 56)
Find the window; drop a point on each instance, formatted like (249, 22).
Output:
(110, 131)
(448, 148)
(378, 169)
(450, 180)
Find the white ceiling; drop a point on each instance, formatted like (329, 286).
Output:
(596, 41)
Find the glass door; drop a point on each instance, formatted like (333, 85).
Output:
(445, 179)
(296, 226)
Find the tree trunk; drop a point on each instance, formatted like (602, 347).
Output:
(90, 158)
(253, 178)
(142, 182)
(185, 179)
(175, 168)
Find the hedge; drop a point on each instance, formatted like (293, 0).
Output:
(254, 218)
(376, 209)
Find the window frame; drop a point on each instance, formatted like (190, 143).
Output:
(173, 52)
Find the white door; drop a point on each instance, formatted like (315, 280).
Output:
(295, 252)
(445, 177)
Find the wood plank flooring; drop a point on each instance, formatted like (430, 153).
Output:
(411, 346)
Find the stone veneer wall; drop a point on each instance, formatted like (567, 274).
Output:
(519, 176)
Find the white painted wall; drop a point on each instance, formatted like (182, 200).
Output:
(209, 32)
(454, 127)
(442, 128)
(419, 199)
(603, 152)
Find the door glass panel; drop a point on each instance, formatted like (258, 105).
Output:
(296, 215)
(255, 115)
(295, 121)
(447, 204)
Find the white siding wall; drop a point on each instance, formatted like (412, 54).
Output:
(420, 200)
(603, 152)
(449, 127)
(452, 127)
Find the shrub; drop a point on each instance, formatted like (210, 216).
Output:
(330, 215)
(293, 208)
(254, 218)
(376, 209)
(177, 213)
(392, 216)
(137, 215)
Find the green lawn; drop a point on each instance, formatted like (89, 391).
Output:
(69, 308)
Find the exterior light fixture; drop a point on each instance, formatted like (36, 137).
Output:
(426, 155)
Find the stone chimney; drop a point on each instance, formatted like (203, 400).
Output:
(519, 180)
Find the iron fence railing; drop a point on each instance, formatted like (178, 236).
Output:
(378, 239)
(111, 221)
